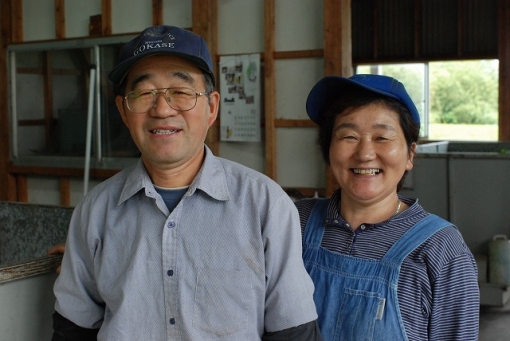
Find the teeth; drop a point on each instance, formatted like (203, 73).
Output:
(371, 171)
(163, 132)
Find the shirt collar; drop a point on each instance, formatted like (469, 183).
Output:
(210, 179)
(334, 208)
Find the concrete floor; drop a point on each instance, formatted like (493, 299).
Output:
(495, 323)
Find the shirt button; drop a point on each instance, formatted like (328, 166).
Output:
(170, 272)
(172, 321)
(170, 224)
(362, 227)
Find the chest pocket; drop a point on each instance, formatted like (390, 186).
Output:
(222, 301)
(360, 312)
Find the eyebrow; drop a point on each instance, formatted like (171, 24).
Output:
(346, 125)
(177, 74)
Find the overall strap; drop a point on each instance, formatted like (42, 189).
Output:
(414, 237)
(315, 224)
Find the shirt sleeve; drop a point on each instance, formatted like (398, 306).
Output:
(305, 332)
(455, 311)
(76, 292)
(289, 288)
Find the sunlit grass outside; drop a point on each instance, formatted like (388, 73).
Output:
(463, 132)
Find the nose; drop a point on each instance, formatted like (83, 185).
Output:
(365, 150)
(161, 107)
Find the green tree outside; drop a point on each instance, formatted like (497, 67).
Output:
(464, 92)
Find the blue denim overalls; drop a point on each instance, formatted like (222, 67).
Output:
(356, 298)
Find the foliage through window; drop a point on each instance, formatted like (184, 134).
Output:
(457, 100)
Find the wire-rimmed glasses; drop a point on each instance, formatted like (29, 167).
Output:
(180, 99)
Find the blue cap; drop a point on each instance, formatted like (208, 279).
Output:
(331, 86)
(163, 40)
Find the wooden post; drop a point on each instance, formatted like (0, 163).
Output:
(65, 191)
(11, 31)
(337, 53)
(60, 19)
(204, 14)
(22, 188)
(157, 12)
(106, 16)
(270, 88)
(504, 69)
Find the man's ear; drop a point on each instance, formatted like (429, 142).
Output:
(214, 105)
(119, 102)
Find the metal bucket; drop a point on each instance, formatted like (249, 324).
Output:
(499, 260)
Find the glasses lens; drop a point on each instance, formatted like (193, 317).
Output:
(140, 101)
(181, 99)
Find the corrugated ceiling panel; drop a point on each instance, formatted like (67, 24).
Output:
(362, 13)
(439, 28)
(480, 27)
(395, 28)
(445, 30)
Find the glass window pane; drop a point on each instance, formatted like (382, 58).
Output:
(464, 100)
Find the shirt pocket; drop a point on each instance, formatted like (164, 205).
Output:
(222, 301)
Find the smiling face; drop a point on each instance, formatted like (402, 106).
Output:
(368, 153)
(169, 140)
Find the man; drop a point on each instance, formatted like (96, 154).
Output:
(183, 245)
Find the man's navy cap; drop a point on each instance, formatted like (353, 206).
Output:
(332, 86)
(163, 40)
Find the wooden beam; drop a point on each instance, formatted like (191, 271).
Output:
(299, 54)
(7, 184)
(157, 12)
(12, 193)
(337, 52)
(22, 188)
(106, 17)
(65, 191)
(294, 123)
(61, 172)
(17, 21)
(337, 38)
(270, 88)
(60, 19)
(504, 69)
(316, 53)
(204, 18)
(12, 31)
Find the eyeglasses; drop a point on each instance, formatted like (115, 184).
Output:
(181, 99)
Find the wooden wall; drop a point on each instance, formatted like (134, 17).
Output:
(337, 53)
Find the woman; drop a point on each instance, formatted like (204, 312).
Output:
(383, 268)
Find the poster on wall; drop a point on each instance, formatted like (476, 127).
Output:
(240, 92)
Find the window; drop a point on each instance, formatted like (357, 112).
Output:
(62, 105)
(457, 100)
